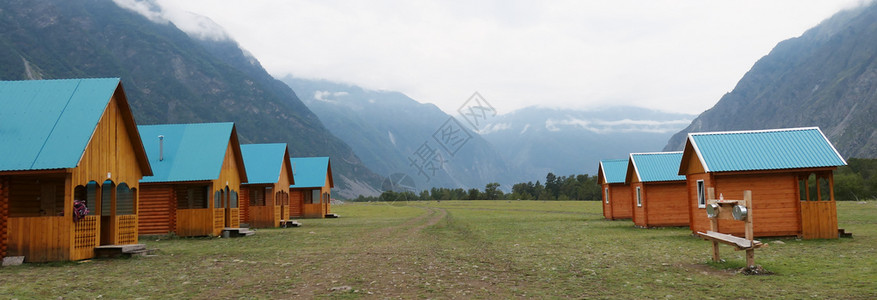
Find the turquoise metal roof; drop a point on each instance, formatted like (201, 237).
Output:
(614, 170)
(310, 172)
(657, 166)
(264, 162)
(192, 152)
(791, 148)
(47, 124)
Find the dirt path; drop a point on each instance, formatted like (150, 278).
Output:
(389, 262)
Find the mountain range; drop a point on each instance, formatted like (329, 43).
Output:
(562, 141)
(385, 129)
(827, 77)
(390, 131)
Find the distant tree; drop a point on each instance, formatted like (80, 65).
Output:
(492, 192)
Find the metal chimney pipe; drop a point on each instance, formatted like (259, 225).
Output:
(160, 148)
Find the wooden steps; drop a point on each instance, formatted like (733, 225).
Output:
(289, 223)
(842, 233)
(236, 232)
(332, 216)
(113, 251)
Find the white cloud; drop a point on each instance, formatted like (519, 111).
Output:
(550, 124)
(673, 55)
(614, 126)
(195, 25)
(525, 128)
(322, 96)
(491, 128)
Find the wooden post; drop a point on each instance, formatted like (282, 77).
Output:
(750, 234)
(747, 198)
(714, 224)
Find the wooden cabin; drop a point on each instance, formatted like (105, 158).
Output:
(790, 173)
(310, 195)
(265, 196)
(659, 193)
(198, 172)
(616, 193)
(66, 140)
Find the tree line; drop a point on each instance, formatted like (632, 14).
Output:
(572, 187)
(856, 181)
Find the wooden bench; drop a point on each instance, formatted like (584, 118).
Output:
(738, 242)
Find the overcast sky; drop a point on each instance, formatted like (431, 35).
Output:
(678, 56)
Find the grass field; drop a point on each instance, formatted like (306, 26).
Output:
(467, 249)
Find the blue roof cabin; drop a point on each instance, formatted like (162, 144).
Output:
(198, 172)
(616, 193)
(265, 196)
(310, 196)
(67, 141)
(659, 193)
(789, 171)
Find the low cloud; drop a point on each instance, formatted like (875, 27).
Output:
(616, 126)
(195, 25)
(491, 128)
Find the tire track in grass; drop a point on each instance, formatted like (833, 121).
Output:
(385, 262)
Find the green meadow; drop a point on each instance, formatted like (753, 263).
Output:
(467, 249)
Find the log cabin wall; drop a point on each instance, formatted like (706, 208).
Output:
(639, 215)
(245, 205)
(697, 214)
(327, 195)
(666, 204)
(296, 202)
(775, 204)
(4, 215)
(607, 207)
(621, 201)
(157, 212)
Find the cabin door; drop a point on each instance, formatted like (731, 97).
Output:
(818, 210)
(107, 213)
(227, 203)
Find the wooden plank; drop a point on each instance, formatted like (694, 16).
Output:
(740, 243)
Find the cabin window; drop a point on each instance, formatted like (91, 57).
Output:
(35, 197)
(606, 191)
(233, 199)
(281, 198)
(91, 197)
(107, 191)
(701, 195)
(824, 189)
(315, 196)
(814, 192)
(124, 200)
(639, 196)
(217, 199)
(326, 198)
(257, 198)
(306, 198)
(192, 197)
(80, 193)
(268, 192)
(802, 188)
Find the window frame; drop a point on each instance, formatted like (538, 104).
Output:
(639, 197)
(701, 193)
